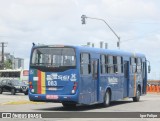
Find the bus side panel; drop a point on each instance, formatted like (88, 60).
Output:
(86, 90)
(131, 86)
(102, 88)
(89, 83)
(84, 83)
(139, 81)
(117, 88)
(115, 83)
(135, 80)
(142, 79)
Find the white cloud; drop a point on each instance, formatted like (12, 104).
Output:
(131, 8)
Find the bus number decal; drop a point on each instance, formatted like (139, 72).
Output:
(56, 76)
(52, 83)
(73, 77)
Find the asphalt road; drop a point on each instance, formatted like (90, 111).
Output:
(21, 103)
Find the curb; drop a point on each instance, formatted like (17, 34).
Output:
(21, 102)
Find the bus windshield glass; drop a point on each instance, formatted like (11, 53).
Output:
(11, 74)
(53, 57)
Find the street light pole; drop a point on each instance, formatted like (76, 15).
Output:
(84, 22)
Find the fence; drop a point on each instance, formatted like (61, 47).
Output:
(153, 88)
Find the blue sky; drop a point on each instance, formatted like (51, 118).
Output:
(137, 22)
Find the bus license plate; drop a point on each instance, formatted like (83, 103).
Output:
(52, 88)
(51, 96)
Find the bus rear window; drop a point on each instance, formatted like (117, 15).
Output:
(56, 57)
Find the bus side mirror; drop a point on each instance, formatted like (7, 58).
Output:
(149, 69)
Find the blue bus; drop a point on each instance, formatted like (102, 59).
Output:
(74, 75)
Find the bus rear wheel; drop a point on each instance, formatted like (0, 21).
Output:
(68, 105)
(137, 97)
(107, 99)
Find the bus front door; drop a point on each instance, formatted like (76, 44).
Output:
(126, 79)
(144, 76)
(94, 80)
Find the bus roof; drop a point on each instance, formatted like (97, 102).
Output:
(98, 50)
(111, 52)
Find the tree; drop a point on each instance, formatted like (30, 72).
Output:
(8, 64)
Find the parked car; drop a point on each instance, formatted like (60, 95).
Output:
(13, 86)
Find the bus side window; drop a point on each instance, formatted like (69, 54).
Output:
(115, 64)
(103, 64)
(139, 65)
(133, 63)
(119, 64)
(85, 63)
(110, 64)
(144, 70)
(94, 70)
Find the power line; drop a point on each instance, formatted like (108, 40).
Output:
(135, 21)
(140, 37)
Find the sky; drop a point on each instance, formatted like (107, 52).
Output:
(137, 22)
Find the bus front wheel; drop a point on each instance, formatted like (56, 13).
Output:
(68, 105)
(107, 99)
(137, 97)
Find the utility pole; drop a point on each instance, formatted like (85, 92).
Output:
(3, 44)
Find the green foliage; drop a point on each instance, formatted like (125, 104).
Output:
(8, 64)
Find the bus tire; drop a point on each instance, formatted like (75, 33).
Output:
(13, 91)
(107, 99)
(1, 90)
(68, 105)
(137, 97)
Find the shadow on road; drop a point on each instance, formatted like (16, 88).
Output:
(84, 107)
(9, 94)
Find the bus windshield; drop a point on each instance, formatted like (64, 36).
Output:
(11, 74)
(53, 57)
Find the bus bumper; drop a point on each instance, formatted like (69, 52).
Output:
(53, 98)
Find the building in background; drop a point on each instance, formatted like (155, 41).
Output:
(17, 63)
